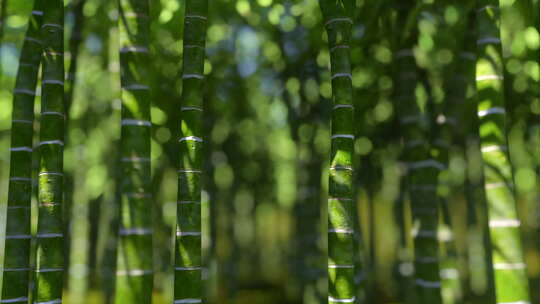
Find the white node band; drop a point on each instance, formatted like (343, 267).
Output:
(135, 231)
(349, 300)
(341, 266)
(428, 163)
(187, 268)
(339, 106)
(136, 122)
(135, 159)
(188, 233)
(494, 110)
(509, 266)
(58, 26)
(51, 142)
(57, 301)
(196, 17)
(15, 300)
(337, 75)
(18, 237)
(135, 87)
(49, 235)
(134, 49)
(187, 301)
(52, 113)
(53, 81)
(428, 284)
(197, 76)
(488, 40)
(24, 91)
(191, 138)
(49, 269)
(191, 109)
(333, 20)
(51, 173)
(494, 148)
(339, 47)
(134, 272)
(504, 223)
(489, 77)
(337, 230)
(21, 149)
(24, 121)
(350, 136)
(20, 179)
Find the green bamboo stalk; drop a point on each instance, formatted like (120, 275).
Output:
(422, 168)
(509, 267)
(3, 9)
(410, 120)
(308, 259)
(422, 184)
(16, 268)
(78, 272)
(74, 47)
(402, 268)
(479, 285)
(342, 262)
(518, 19)
(188, 258)
(134, 274)
(448, 93)
(76, 199)
(449, 271)
(75, 210)
(50, 231)
(534, 140)
(103, 262)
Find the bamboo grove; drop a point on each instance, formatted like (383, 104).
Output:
(270, 151)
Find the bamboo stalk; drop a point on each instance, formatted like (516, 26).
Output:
(134, 274)
(422, 168)
(16, 268)
(342, 262)
(188, 258)
(50, 231)
(509, 267)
